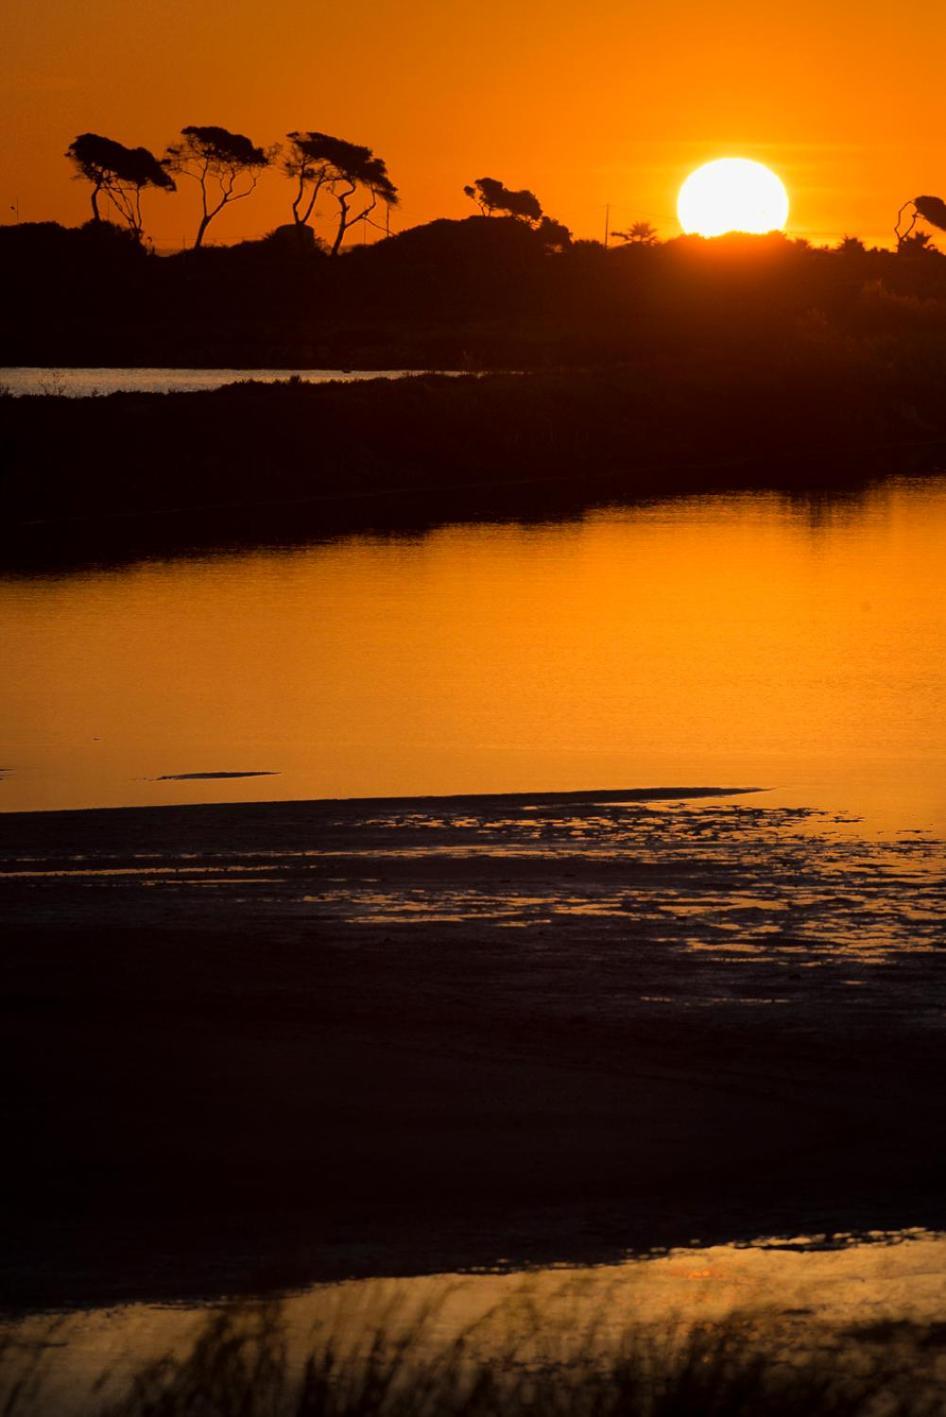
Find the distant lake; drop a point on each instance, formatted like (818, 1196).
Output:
(82, 383)
(737, 640)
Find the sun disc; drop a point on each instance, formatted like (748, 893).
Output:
(732, 194)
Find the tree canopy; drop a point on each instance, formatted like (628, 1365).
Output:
(320, 162)
(225, 165)
(120, 173)
(554, 235)
(490, 195)
(931, 209)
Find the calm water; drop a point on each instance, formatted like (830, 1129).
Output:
(732, 640)
(81, 383)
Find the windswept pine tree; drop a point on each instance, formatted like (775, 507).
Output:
(119, 174)
(490, 195)
(226, 166)
(318, 162)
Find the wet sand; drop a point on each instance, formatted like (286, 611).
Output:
(267, 1045)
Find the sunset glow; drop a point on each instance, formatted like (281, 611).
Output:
(732, 194)
(800, 91)
(472, 733)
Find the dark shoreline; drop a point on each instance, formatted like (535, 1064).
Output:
(239, 1070)
(96, 821)
(133, 475)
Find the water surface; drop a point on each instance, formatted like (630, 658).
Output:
(739, 640)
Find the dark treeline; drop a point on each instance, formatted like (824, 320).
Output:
(486, 292)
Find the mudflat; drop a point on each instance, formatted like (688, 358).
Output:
(261, 1045)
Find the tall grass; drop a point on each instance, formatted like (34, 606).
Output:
(242, 1364)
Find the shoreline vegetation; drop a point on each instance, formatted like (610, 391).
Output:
(246, 1359)
(249, 464)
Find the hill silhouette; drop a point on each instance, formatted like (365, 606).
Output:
(484, 292)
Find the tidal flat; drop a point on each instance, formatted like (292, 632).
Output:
(262, 1045)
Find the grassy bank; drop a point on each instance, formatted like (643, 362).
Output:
(255, 462)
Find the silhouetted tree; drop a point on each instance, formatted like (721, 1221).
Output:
(308, 164)
(120, 173)
(641, 233)
(319, 162)
(931, 209)
(225, 165)
(490, 195)
(372, 176)
(554, 235)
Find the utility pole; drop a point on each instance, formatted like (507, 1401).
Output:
(607, 224)
(15, 209)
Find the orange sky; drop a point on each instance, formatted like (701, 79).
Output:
(586, 104)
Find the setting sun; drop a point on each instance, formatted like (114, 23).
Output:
(732, 194)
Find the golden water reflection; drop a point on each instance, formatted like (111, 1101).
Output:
(810, 1294)
(730, 640)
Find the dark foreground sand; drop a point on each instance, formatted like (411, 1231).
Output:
(263, 1045)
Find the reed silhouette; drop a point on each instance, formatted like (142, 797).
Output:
(242, 1363)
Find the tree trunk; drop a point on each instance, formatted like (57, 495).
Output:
(204, 223)
(342, 217)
